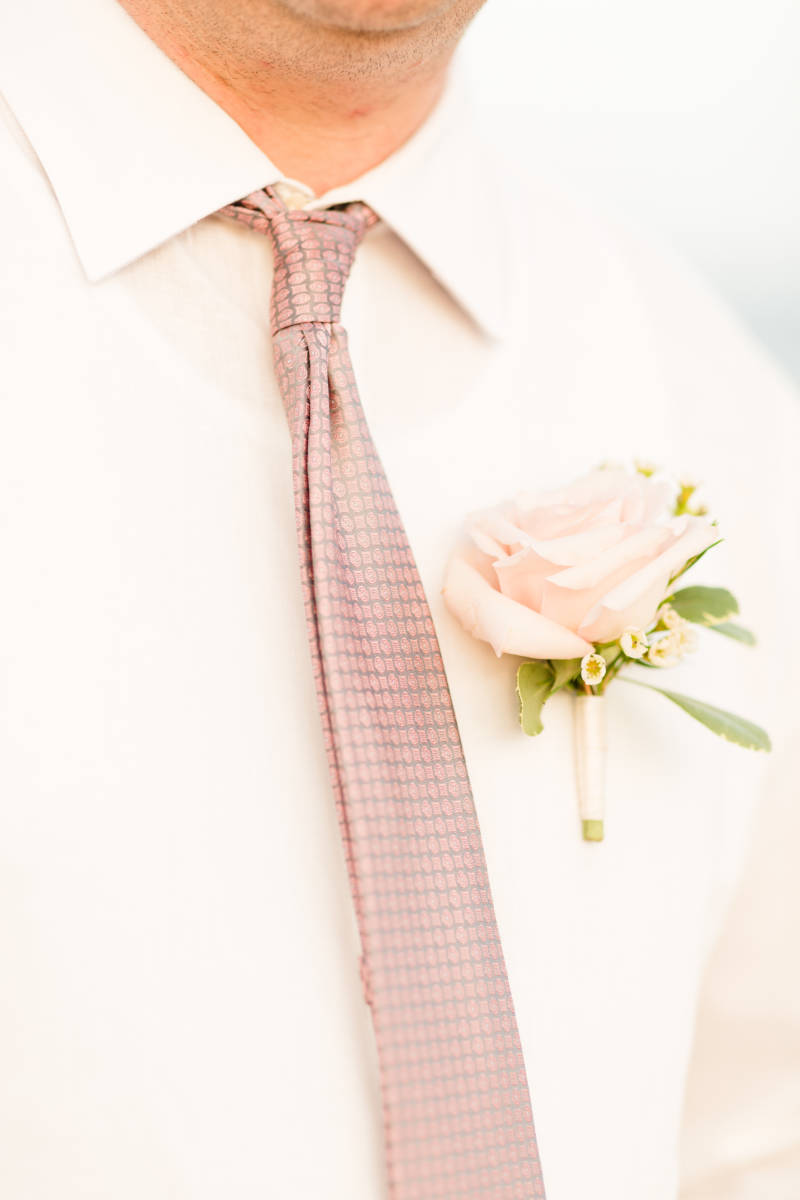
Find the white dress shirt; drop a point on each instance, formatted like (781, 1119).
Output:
(181, 1015)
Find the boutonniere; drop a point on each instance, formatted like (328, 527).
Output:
(581, 583)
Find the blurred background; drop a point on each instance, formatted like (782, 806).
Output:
(680, 119)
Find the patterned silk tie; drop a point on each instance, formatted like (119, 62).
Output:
(457, 1114)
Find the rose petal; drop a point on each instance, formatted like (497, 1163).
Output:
(571, 594)
(659, 497)
(606, 484)
(508, 627)
(497, 523)
(485, 543)
(576, 548)
(634, 602)
(633, 504)
(643, 543)
(480, 562)
(546, 524)
(522, 575)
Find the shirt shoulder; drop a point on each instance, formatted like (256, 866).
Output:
(697, 337)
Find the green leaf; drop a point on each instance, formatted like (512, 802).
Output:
(534, 686)
(688, 565)
(737, 632)
(564, 669)
(704, 605)
(725, 724)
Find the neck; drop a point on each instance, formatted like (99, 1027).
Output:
(324, 104)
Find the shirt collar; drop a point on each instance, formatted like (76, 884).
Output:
(136, 153)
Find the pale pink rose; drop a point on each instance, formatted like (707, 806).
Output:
(549, 574)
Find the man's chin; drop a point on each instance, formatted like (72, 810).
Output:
(369, 16)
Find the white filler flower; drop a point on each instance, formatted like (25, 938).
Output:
(672, 618)
(593, 669)
(667, 651)
(633, 642)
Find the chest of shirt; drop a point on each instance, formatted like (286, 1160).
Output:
(174, 833)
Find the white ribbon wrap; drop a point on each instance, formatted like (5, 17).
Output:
(590, 762)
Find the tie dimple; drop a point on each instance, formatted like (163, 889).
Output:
(457, 1117)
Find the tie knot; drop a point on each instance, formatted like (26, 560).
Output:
(313, 251)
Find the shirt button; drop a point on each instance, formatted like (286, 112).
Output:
(292, 197)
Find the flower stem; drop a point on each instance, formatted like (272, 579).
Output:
(590, 753)
(614, 663)
(593, 831)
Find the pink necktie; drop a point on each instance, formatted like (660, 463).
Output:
(456, 1108)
